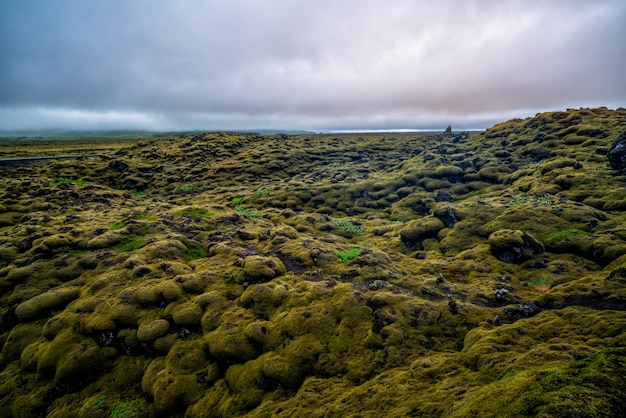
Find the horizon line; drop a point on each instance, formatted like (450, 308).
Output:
(51, 132)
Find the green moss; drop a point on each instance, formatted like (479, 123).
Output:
(261, 269)
(592, 386)
(475, 193)
(118, 225)
(565, 234)
(197, 212)
(42, 303)
(194, 252)
(68, 180)
(268, 320)
(149, 331)
(130, 243)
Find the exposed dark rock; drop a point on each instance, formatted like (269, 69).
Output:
(444, 196)
(617, 153)
(118, 166)
(525, 310)
(446, 215)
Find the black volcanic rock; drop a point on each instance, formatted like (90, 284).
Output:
(617, 153)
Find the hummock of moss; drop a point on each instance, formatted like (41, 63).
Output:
(398, 275)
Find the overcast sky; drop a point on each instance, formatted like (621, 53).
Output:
(303, 64)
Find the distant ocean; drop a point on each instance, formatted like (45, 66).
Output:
(402, 130)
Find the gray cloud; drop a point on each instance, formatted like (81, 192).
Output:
(300, 64)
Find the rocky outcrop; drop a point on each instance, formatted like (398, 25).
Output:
(514, 246)
(617, 153)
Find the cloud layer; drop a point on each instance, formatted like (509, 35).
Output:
(190, 64)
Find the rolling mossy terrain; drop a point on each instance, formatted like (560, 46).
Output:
(365, 275)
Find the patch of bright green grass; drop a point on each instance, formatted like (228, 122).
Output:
(117, 225)
(541, 285)
(194, 252)
(565, 234)
(140, 193)
(197, 212)
(126, 409)
(345, 256)
(97, 404)
(513, 202)
(249, 213)
(129, 244)
(68, 180)
(544, 201)
(261, 193)
(237, 200)
(348, 226)
(78, 253)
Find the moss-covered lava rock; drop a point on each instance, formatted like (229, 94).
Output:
(404, 274)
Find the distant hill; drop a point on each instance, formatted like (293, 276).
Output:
(12, 135)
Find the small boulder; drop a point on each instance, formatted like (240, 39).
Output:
(524, 310)
(415, 232)
(150, 331)
(259, 269)
(118, 166)
(187, 314)
(42, 304)
(617, 153)
(444, 196)
(514, 246)
(105, 240)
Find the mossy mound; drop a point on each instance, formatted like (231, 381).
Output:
(226, 275)
(514, 246)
